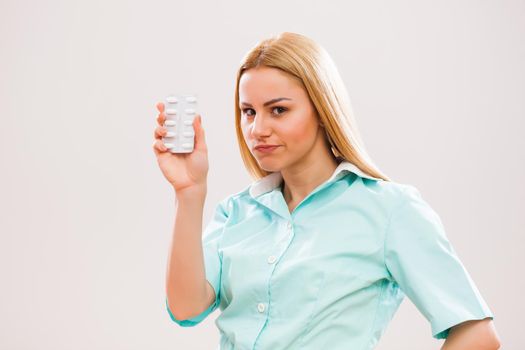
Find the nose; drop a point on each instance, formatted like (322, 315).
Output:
(260, 127)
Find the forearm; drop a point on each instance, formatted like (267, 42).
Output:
(468, 345)
(185, 279)
(473, 335)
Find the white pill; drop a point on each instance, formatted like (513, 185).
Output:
(188, 133)
(191, 99)
(171, 111)
(169, 134)
(186, 145)
(171, 99)
(188, 122)
(168, 145)
(170, 123)
(189, 111)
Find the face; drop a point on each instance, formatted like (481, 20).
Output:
(276, 110)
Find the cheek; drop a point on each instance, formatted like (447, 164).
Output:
(245, 131)
(298, 133)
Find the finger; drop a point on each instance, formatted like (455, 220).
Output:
(158, 147)
(161, 118)
(159, 132)
(160, 107)
(200, 137)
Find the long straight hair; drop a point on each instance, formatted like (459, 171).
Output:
(309, 63)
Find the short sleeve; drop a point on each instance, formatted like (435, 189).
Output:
(211, 237)
(420, 258)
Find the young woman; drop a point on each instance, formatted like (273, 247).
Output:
(321, 249)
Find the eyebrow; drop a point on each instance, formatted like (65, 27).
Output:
(267, 103)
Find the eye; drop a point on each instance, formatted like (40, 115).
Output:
(280, 108)
(244, 111)
(280, 111)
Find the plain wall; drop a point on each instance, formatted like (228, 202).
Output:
(438, 90)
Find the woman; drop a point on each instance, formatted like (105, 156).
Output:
(320, 250)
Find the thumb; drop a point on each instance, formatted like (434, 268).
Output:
(200, 138)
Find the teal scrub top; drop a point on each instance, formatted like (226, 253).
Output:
(331, 274)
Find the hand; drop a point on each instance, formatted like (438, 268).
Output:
(182, 170)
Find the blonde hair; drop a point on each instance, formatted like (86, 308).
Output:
(304, 59)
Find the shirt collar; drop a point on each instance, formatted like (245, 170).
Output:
(273, 180)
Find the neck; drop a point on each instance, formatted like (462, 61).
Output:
(302, 179)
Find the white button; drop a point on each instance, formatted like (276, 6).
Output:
(171, 99)
(171, 111)
(170, 123)
(271, 259)
(260, 307)
(189, 111)
(289, 225)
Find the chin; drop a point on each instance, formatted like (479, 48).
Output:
(269, 165)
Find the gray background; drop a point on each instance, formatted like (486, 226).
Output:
(86, 215)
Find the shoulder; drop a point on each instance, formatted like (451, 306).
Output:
(387, 194)
(229, 203)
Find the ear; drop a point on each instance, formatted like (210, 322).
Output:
(331, 145)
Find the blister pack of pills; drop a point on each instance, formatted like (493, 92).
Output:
(180, 110)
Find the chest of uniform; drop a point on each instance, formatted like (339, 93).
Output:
(264, 252)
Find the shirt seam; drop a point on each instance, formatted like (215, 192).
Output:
(385, 234)
(379, 299)
(227, 206)
(308, 324)
(384, 282)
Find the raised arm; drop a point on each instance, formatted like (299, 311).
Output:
(187, 290)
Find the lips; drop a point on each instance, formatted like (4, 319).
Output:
(266, 148)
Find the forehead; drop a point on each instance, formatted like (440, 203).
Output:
(262, 81)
